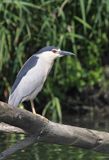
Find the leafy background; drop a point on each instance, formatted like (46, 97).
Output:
(78, 26)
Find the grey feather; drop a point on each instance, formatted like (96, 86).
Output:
(48, 48)
(31, 84)
(31, 62)
(31, 78)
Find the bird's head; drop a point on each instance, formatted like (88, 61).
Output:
(51, 53)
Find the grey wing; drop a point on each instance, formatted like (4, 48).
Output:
(30, 63)
(20, 87)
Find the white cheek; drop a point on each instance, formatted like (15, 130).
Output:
(55, 55)
(60, 55)
(48, 56)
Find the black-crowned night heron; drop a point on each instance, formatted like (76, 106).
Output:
(33, 74)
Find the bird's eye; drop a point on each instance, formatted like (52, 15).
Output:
(54, 50)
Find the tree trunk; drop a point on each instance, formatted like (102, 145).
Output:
(40, 129)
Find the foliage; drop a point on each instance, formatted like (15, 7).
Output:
(53, 108)
(79, 26)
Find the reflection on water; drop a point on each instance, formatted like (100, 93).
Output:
(96, 118)
(56, 152)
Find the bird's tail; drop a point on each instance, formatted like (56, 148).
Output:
(13, 100)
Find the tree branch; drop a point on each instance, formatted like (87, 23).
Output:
(19, 145)
(10, 129)
(41, 129)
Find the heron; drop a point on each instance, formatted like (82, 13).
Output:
(31, 77)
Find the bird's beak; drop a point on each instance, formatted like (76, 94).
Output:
(66, 53)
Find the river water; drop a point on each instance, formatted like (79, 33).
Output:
(93, 120)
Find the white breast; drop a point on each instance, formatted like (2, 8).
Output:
(34, 79)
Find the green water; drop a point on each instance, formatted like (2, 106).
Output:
(57, 152)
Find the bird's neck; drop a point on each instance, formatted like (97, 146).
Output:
(47, 60)
(45, 65)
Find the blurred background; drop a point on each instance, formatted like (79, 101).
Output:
(77, 89)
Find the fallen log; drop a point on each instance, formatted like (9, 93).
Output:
(39, 129)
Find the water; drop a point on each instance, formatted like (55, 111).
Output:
(57, 152)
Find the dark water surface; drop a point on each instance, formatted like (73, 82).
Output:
(56, 152)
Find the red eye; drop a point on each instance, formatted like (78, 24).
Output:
(54, 50)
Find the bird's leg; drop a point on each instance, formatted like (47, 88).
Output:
(32, 106)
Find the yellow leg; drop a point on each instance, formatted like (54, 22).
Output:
(32, 106)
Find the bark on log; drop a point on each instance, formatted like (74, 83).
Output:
(41, 129)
